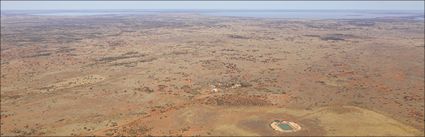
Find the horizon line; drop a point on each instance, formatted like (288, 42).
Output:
(224, 9)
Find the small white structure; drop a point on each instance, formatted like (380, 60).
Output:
(236, 85)
(214, 89)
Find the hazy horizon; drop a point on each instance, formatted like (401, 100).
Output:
(213, 5)
(206, 10)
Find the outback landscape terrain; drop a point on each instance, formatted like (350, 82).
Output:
(190, 74)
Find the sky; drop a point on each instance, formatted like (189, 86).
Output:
(312, 5)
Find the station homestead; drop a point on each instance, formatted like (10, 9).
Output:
(190, 74)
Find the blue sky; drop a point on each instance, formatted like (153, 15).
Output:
(67, 5)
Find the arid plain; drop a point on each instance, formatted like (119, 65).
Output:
(190, 74)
